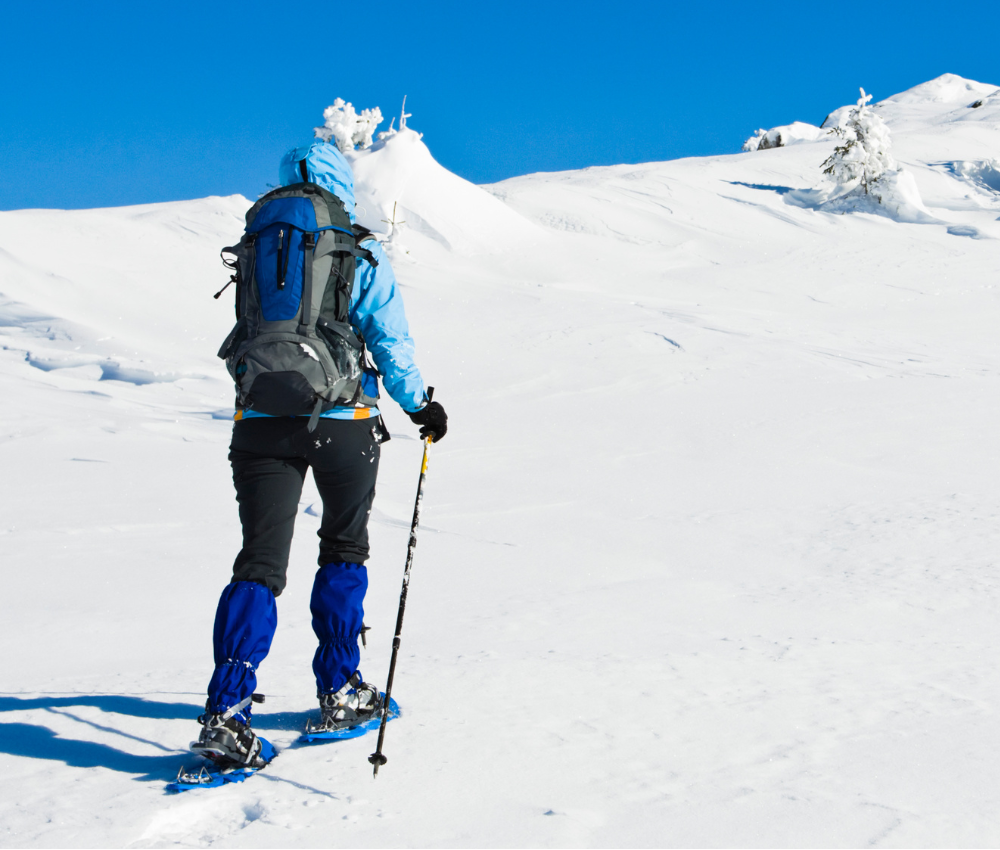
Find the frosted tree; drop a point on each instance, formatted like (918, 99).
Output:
(348, 128)
(403, 115)
(387, 134)
(763, 140)
(863, 156)
(753, 143)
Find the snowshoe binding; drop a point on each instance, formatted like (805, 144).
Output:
(234, 751)
(227, 741)
(348, 713)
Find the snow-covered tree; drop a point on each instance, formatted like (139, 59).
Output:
(863, 157)
(753, 143)
(344, 125)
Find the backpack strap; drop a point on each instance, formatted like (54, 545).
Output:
(327, 244)
(363, 234)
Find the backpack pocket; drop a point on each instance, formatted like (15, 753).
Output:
(344, 346)
(281, 377)
(281, 394)
(279, 270)
(237, 336)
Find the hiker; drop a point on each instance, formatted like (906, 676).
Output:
(314, 291)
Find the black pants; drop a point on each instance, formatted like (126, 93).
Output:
(270, 458)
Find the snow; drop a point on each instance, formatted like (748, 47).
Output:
(947, 89)
(787, 134)
(708, 555)
(398, 180)
(895, 195)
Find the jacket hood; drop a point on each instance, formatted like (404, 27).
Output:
(325, 166)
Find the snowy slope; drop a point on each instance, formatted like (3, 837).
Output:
(709, 550)
(399, 181)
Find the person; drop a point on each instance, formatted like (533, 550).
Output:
(269, 457)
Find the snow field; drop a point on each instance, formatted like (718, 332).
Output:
(708, 554)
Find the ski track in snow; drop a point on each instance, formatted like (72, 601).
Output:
(709, 554)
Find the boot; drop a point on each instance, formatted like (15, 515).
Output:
(352, 705)
(227, 741)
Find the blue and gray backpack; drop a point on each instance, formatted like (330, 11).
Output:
(293, 351)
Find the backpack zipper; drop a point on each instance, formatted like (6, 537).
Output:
(280, 273)
(288, 253)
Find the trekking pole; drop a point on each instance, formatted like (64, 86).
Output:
(376, 758)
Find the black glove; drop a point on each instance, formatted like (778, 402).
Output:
(433, 421)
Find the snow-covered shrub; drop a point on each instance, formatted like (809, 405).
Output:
(753, 143)
(387, 134)
(779, 137)
(863, 156)
(344, 125)
(865, 177)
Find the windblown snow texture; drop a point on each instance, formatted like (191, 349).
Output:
(708, 557)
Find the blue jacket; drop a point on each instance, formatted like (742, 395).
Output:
(376, 303)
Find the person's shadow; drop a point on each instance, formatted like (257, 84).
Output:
(40, 742)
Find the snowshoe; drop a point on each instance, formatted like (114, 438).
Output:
(216, 775)
(233, 750)
(348, 713)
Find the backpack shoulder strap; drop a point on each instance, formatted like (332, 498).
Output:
(363, 234)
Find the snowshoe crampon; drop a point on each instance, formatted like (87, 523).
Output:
(220, 771)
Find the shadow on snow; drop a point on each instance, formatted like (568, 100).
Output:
(781, 190)
(39, 742)
(112, 703)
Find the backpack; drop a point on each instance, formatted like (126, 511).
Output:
(293, 351)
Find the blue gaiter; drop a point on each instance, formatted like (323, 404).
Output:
(337, 607)
(244, 626)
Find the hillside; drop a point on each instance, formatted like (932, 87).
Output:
(708, 556)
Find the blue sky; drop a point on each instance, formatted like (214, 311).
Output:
(120, 103)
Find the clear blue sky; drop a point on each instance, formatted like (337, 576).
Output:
(120, 103)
